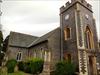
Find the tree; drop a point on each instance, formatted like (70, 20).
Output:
(1, 47)
(5, 43)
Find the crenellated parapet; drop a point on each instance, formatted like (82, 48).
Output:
(69, 4)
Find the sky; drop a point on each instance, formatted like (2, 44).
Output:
(36, 17)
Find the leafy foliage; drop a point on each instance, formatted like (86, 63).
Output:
(1, 47)
(65, 68)
(21, 66)
(5, 43)
(33, 66)
(11, 65)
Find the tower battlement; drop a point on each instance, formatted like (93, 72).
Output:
(69, 4)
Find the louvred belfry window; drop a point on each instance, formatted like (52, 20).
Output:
(67, 33)
(89, 38)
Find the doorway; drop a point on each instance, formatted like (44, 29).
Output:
(92, 65)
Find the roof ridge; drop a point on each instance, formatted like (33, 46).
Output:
(22, 33)
(51, 32)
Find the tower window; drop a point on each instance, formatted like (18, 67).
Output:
(68, 57)
(67, 33)
(89, 38)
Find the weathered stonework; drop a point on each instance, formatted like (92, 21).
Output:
(52, 47)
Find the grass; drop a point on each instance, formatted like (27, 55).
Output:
(18, 73)
(3, 71)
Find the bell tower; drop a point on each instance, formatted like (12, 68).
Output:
(79, 42)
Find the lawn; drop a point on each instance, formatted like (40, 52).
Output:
(16, 73)
(4, 72)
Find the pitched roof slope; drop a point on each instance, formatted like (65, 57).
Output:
(20, 40)
(43, 38)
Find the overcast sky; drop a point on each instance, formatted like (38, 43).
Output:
(36, 17)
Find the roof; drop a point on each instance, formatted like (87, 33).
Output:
(20, 40)
(43, 38)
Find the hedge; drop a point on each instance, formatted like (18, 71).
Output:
(32, 66)
(65, 68)
(11, 65)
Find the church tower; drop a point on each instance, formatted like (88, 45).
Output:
(79, 42)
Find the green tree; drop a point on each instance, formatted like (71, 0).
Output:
(5, 43)
(1, 47)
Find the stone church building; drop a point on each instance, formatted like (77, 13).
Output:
(75, 40)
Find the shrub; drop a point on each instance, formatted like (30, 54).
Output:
(33, 66)
(65, 68)
(36, 66)
(21, 65)
(11, 65)
(26, 67)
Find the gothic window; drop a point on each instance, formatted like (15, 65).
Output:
(67, 57)
(89, 38)
(67, 33)
(19, 56)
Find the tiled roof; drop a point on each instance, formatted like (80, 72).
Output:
(43, 38)
(20, 40)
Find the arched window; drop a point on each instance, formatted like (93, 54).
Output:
(68, 57)
(19, 56)
(89, 38)
(67, 33)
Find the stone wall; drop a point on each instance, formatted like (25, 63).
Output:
(13, 51)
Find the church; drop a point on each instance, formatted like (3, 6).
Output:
(75, 40)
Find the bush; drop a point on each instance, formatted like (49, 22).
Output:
(21, 65)
(32, 66)
(11, 65)
(36, 66)
(65, 68)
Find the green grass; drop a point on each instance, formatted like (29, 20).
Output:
(17, 73)
(4, 72)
